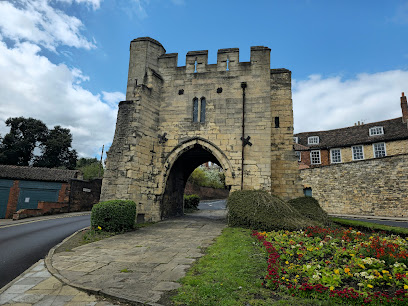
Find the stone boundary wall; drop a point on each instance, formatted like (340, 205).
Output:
(374, 187)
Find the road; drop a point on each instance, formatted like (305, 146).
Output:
(385, 222)
(23, 244)
(212, 204)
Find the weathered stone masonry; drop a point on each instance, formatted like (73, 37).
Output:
(373, 187)
(157, 145)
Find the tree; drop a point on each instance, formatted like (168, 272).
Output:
(90, 167)
(56, 150)
(18, 145)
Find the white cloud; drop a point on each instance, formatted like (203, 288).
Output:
(94, 3)
(32, 86)
(113, 98)
(40, 23)
(329, 103)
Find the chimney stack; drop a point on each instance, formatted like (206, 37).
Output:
(404, 108)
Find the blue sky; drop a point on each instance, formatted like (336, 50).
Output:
(65, 61)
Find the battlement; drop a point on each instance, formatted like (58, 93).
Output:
(227, 60)
(148, 54)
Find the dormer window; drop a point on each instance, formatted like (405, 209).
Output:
(296, 139)
(313, 140)
(376, 130)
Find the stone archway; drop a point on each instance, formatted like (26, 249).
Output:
(180, 163)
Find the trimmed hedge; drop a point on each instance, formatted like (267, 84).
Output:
(257, 209)
(114, 215)
(191, 201)
(310, 208)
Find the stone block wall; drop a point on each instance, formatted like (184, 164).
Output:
(374, 187)
(155, 124)
(84, 194)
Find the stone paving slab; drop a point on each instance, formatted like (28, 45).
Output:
(38, 287)
(143, 265)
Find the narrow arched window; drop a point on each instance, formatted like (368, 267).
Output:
(195, 110)
(202, 110)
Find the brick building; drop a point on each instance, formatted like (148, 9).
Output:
(359, 142)
(37, 191)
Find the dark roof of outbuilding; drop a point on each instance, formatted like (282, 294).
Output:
(37, 174)
(394, 129)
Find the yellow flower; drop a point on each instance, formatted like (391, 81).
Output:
(370, 286)
(331, 288)
(283, 278)
(295, 280)
(347, 270)
(99, 228)
(361, 266)
(336, 271)
(385, 271)
(297, 276)
(351, 255)
(287, 262)
(406, 287)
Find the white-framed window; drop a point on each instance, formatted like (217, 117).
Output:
(313, 140)
(298, 155)
(296, 139)
(379, 149)
(315, 157)
(376, 130)
(335, 156)
(358, 152)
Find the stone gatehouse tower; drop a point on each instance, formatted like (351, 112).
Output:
(176, 118)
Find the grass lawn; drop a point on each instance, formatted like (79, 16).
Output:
(231, 273)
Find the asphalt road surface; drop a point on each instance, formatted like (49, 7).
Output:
(385, 222)
(23, 244)
(212, 205)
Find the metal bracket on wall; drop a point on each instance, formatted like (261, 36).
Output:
(246, 141)
(162, 138)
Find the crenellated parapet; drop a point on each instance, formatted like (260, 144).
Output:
(227, 60)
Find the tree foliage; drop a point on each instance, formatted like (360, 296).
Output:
(56, 150)
(205, 177)
(18, 145)
(27, 134)
(91, 168)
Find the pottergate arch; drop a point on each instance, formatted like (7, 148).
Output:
(235, 114)
(180, 163)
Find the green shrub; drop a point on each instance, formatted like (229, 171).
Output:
(257, 209)
(191, 201)
(114, 216)
(310, 208)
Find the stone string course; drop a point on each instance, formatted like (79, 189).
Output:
(375, 187)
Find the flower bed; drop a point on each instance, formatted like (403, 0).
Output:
(343, 264)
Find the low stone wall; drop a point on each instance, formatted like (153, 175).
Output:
(84, 194)
(206, 193)
(374, 187)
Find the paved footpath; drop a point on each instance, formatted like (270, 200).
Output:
(138, 267)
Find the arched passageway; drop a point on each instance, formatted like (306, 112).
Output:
(184, 165)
